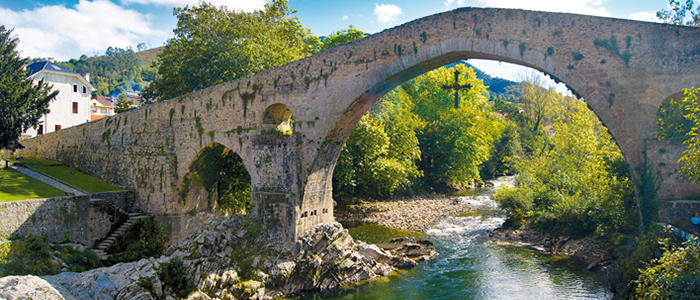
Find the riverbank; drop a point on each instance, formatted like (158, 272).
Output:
(596, 252)
(417, 213)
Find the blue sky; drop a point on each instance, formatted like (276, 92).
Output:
(65, 29)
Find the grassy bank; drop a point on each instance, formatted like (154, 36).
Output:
(73, 177)
(17, 186)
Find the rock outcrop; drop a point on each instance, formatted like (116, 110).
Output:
(231, 258)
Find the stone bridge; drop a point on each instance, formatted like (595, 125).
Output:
(623, 69)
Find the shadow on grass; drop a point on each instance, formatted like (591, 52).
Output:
(17, 186)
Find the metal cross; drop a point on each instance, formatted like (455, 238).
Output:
(456, 87)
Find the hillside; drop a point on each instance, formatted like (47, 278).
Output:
(149, 56)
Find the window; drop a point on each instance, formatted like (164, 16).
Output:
(93, 109)
(75, 88)
(84, 90)
(75, 107)
(57, 128)
(40, 131)
(103, 110)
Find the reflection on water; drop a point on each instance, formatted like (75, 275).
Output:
(472, 266)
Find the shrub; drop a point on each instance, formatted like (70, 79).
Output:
(676, 275)
(173, 275)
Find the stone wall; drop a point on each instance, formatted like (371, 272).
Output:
(122, 200)
(75, 219)
(677, 212)
(662, 157)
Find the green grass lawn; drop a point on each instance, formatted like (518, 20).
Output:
(17, 186)
(75, 178)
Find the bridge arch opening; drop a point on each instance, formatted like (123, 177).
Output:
(325, 164)
(217, 180)
(277, 119)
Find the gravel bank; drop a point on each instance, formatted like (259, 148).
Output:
(418, 213)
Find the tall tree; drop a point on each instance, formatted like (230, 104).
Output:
(22, 101)
(123, 104)
(214, 45)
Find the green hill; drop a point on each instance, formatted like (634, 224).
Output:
(149, 56)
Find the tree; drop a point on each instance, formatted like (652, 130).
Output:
(453, 142)
(22, 101)
(214, 45)
(123, 104)
(574, 186)
(677, 14)
(341, 37)
(691, 156)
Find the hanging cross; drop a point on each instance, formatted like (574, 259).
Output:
(456, 87)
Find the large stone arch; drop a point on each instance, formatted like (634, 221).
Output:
(624, 83)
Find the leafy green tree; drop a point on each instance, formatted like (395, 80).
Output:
(453, 142)
(341, 37)
(214, 45)
(123, 104)
(573, 186)
(22, 102)
(691, 156)
(677, 14)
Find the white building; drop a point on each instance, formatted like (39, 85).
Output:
(72, 105)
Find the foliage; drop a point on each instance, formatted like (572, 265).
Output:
(341, 37)
(671, 120)
(173, 275)
(22, 101)
(453, 142)
(222, 174)
(691, 156)
(214, 45)
(677, 14)
(574, 186)
(33, 255)
(123, 104)
(366, 166)
(118, 70)
(143, 239)
(415, 130)
(676, 275)
(633, 253)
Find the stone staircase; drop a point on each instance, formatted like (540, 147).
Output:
(102, 247)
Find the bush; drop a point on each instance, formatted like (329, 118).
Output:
(173, 275)
(33, 255)
(144, 239)
(676, 275)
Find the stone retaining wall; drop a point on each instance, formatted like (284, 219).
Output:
(123, 200)
(74, 218)
(677, 212)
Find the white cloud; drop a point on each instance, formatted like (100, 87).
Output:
(448, 3)
(387, 13)
(645, 16)
(89, 27)
(245, 5)
(587, 7)
(345, 18)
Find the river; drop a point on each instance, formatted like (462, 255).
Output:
(473, 266)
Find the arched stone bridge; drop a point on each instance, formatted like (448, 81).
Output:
(623, 69)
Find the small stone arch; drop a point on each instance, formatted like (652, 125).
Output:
(217, 179)
(277, 118)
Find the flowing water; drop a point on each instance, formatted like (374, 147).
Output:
(473, 266)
